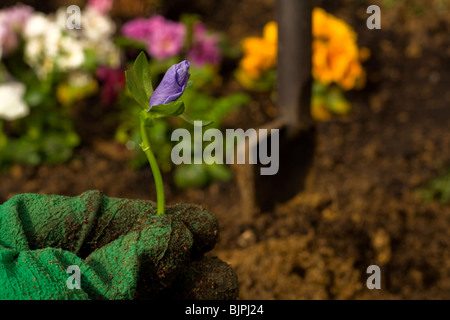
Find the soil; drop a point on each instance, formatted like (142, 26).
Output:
(360, 207)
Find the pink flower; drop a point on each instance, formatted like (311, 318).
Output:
(205, 47)
(16, 17)
(101, 6)
(12, 22)
(164, 38)
(8, 39)
(137, 29)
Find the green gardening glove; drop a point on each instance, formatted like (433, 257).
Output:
(97, 247)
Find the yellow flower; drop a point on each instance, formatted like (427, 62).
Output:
(252, 66)
(336, 56)
(75, 89)
(270, 32)
(260, 54)
(244, 79)
(320, 23)
(355, 77)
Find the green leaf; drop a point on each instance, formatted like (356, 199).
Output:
(189, 120)
(219, 172)
(190, 176)
(141, 71)
(167, 110)
(136, 91)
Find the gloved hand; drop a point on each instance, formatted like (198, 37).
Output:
(122, 248)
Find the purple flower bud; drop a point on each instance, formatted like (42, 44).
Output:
(172, 85)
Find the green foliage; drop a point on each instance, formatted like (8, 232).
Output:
(327, 101)
(437, 189)
(139, 81)
(390, 3)
(136, 90)
(142, 72)
(175, 108)
(198, 175)
(47, 134)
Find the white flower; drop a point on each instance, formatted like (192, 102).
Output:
(107, 53)
(36, 26)
(34, 48)
(52, 40)
(72, 55)
(50, 46)
(12, 105)
(96, 26)
(61, 17)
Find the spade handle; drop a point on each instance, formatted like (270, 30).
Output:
(294, 79)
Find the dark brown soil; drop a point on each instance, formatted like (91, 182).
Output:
(360, 208)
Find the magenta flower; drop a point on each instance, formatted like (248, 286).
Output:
(172, 85)
(205, 47)
(113, 81)
(101, 6)
(164, 38)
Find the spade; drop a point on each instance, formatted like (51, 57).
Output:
(261, 193)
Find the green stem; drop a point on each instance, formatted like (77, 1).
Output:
(160, 200)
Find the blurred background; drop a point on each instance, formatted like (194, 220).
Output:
(378, 188)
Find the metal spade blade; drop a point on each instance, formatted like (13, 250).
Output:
(261, 193)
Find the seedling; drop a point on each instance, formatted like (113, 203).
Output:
(159, 103)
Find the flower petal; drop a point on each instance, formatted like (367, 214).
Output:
(172, 85)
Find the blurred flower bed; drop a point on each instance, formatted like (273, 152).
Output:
(46, 69)
(336, 61)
